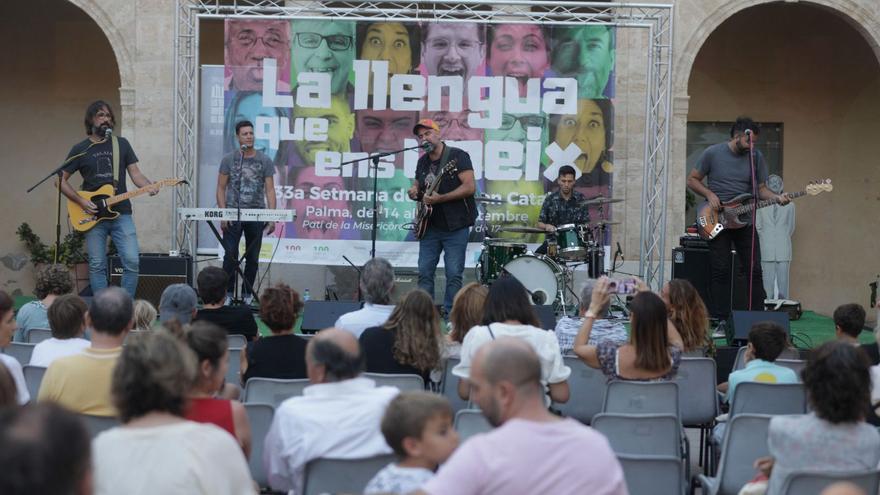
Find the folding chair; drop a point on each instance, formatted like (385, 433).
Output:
(37, 335)
(469, 422)
(745, 440)
(260, 418)
(640, 434)
(272, 391)
(234, 369)
(97, 424)
(236, 341)
(796, 365)
(33, 377)
(587, 387)
(698, 399)
(810, 482)
(768, 398)
(342, 475)
(627, 397)
(21, 351)
(652, 474)
(449, 386)
(406, 383)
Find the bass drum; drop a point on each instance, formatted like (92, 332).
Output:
(540, 275)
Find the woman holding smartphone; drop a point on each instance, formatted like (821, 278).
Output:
(653, 351)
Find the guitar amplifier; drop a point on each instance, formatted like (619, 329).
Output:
(157, 271)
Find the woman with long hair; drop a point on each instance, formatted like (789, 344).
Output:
(282, 354)
(7, 329)
(509, 312)
(653, 352)
(409, 342)
(688, 313)
(466, 313)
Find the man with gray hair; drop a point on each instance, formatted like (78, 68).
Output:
(376, 286)
(604, 328)
(337, 417)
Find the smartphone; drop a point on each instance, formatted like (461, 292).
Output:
(625, 287)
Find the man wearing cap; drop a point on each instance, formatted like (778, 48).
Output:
(453, 209)
(178, 303)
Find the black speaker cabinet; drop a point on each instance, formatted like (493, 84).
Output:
(693, 265)
(157, 271)
(742, 322)
(318, 315)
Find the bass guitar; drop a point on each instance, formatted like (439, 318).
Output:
(104, 198)
(423, 211)
(736, 213)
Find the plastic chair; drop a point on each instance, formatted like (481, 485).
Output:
(234, 369)
(21, 351)
(587, 387)
(260, 418)
(272, 391)
(449, 386)
(37, 335)
(342, 475)
(698, 399)
(640, 434)
(33, 377)
(652, 474)
(810, 482)
(236, 341)
(768, 398)
(97, 424)
(796, 365)
(469, 422)
(745, 440)
(740, 363)
(625, 397)
(406, 383)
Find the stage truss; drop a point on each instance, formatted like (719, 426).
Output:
(656, 18)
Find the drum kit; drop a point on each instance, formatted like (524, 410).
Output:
(547, 276)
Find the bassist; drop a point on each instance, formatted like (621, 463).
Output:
(99, 161)
(453, 209)
(728, 169)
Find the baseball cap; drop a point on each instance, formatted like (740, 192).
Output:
(177, 303)
(427, 124)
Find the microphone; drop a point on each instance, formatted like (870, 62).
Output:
(427, 146)
(748, 132)
(107, 132)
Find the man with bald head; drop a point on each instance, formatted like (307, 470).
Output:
(337, 417)
(530, 447)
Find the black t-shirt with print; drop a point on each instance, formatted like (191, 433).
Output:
(96, 166)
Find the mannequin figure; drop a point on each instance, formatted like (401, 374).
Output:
(775, 226)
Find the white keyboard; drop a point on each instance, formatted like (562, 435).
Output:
(231, 214)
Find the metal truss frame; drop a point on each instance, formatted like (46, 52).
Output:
(656, 18)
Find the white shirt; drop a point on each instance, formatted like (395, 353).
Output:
(398, 480)
(338, 420)
(14, 368)
(51, 349)
(179, 458)
(371, 315)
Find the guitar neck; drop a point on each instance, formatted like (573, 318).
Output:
(739, 210)
(131, 194)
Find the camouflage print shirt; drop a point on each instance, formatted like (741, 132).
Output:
(557, 211)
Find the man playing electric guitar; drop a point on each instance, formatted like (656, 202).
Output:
(453, 209)
(94, 159)
(728, 170)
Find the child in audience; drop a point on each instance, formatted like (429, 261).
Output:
(767, 340)
(144, 315)
(418, 427)
(67, 319)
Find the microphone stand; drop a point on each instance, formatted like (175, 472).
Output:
(375, 168)
(754, 217)
(359, 298)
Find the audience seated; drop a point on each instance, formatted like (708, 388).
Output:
(834, 437)
(46, 450)
(466, 313)
(376, 286)
(688, 313)
(849, 320)
(156, 450)
(177, 304)
(531, 450)
(337, 417)
(144, 315)
(52, 281)
(67, 319)
(234, 319)
(654, 348)
(209, 343)
(282, 354)
(767, 340)
(509, 312)
(409, 342)
(81, 382)
(418, 427)
(604, 328)
(7, 329)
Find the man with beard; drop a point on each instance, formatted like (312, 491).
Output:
(520, 51)
(102, 160)
(453, 49)
(728, 168)
(248, 42)
(585, 53)
(530, 446)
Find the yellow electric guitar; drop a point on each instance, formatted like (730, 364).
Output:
(103, 198)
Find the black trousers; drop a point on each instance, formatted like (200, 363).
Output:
(231, 236)
(720, 261)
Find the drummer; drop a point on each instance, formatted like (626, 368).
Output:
(562, 207)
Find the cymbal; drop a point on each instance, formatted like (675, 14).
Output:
(523, 230)
(599, 200)
(488, 199)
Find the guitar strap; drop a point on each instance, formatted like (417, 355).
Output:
(114, 142)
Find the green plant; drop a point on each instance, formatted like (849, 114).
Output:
(72, 247)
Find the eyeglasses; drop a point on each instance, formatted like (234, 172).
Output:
(463, 46)
(247, 39)
(526, 121)
(444, 121)
(336, 42)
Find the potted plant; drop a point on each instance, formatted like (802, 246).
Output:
(72, 253)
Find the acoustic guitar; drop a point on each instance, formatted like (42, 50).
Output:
(104, 199)
(736, 213)
(423, 211)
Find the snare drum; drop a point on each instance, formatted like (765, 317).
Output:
(571, 245)
(495, 255)
(540, 275)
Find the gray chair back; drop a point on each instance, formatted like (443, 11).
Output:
(745, 440)
(587, 386)
(272, 391)
(97, 424)
(342, 475)
(233, 371)
(640, 434)
(626, 397)
(33, 377)
(449, 385)
(697, 397)
(236, 341)
(260, 418)
(469, 422)
(21, 351)
(808, 483)
(37, 335)
(406, 383)
(740, 363)
(652, 474)
(796, 365)
(768, 398)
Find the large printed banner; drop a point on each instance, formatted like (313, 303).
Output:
(521, 99)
